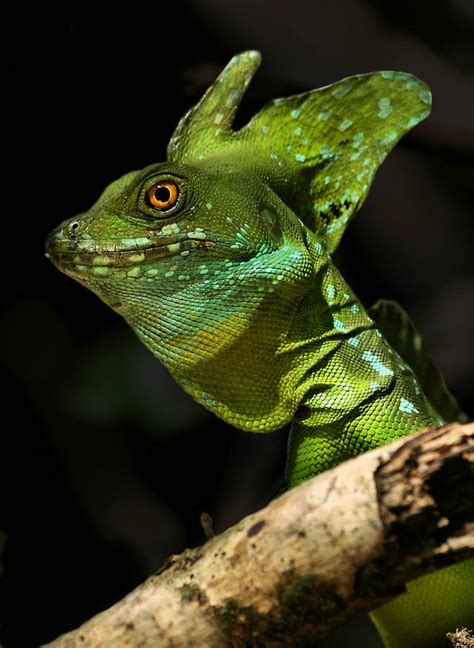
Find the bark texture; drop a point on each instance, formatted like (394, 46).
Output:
(462, 638)
(343, 542)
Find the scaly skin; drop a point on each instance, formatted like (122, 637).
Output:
(229, 280)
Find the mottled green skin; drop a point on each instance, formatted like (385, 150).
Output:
(235, 291)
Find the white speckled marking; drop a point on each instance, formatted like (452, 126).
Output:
(339, 326)
(385, 107)
(376, 364)
(407, 406)
(345, 124)
(137, 258)
(411, 83)
(101, 260)
(200, 236)
(388, 139)
(324, 116)
(325, 151)
(136, 242)
(172, 228)
(341, 91)
(101, 271)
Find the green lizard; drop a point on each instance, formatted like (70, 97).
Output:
(220, 260)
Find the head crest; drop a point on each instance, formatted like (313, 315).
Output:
(329, 141)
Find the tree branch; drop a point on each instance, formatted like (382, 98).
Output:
(462, 638)
(342, 542)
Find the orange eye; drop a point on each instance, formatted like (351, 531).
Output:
(163, 195)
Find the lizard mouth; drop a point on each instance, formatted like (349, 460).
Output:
(85, 257)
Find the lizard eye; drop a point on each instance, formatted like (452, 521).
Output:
(162, 195)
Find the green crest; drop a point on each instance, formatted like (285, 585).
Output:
(329, 141)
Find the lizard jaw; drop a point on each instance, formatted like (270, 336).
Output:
(85, 257)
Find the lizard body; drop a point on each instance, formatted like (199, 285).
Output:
(220, 260)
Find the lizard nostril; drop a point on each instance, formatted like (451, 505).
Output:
(74, 226)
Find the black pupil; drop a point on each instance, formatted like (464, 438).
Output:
(162, 194)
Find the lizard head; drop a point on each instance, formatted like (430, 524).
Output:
(175, 227)
(195, 256)
(209, 254)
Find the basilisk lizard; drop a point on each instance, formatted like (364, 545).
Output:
(220, 259)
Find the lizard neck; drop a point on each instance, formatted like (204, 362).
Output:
(359, 393)
(277, 338)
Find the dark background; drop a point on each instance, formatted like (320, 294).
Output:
(105, 464)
